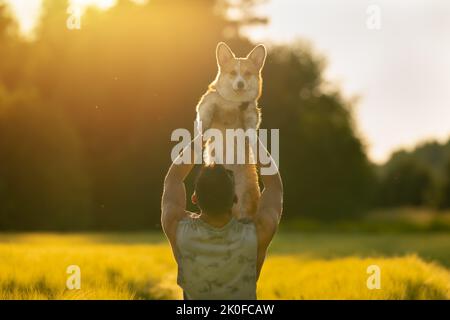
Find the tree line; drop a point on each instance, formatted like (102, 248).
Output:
(86, 117)
(420, 177)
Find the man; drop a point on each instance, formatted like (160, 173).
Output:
(218, 256)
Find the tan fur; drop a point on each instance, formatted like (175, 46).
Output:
(220, 108)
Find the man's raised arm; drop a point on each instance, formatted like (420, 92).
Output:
(173, 206)
(269, 210)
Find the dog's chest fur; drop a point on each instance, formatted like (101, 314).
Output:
(232, 115)
(228, 115)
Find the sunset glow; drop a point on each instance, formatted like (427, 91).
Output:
(365, 64)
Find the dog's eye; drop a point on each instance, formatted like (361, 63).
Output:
(247, 74)
(233, 73)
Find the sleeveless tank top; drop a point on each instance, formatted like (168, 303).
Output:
(216, 263)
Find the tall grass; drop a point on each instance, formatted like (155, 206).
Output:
(137, 266)
(409, 277)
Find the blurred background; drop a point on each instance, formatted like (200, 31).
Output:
(86, 113)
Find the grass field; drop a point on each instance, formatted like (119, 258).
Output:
(307, 266)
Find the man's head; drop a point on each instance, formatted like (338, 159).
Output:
(214, 190)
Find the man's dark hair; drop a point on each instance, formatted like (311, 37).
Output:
(214, 188)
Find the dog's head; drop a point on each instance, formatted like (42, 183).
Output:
(239, 79)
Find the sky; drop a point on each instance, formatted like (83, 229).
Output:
(400, 72)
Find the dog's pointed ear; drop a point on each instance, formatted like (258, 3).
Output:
(258, 56)
(223, 54)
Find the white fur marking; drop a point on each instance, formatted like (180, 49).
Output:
(239, 77)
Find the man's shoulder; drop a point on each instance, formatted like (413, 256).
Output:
(171, 227)
(190, 216)
(246, 223)
(245, 220)
(189, 219)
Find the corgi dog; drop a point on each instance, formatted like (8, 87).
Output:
(231, 103)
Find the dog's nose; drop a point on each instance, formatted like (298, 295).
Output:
(240, 85)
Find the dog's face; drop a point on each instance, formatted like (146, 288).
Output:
(239, 79)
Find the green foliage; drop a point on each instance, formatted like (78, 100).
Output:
(397, 220)
(43, 181)
(407, 183)
(417, 177)
(433, 155)
(323, 162)
(445, 195)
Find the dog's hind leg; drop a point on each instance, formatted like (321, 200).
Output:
(247, 190)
